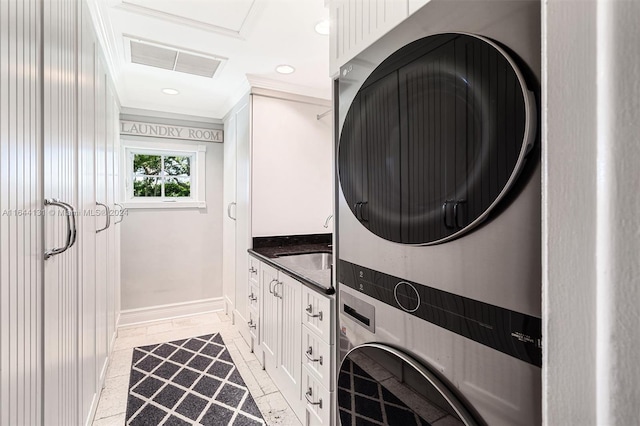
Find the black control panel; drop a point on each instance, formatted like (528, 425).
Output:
(510, 332)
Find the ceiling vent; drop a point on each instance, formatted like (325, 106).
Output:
(172, 58)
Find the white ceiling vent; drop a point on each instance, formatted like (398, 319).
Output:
(172, 58)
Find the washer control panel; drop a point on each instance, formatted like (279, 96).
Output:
(510, 332)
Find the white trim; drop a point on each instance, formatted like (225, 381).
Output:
(131, 317)
(241, 34)
(164, 204)
(257, 81)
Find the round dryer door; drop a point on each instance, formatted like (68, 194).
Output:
(379, 385)
(434, 138)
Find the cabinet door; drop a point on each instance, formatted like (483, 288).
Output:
(102, 337)
(317, 401)
(269, 316)
(61, 287)
(87, 222)
(316, 313)
(112, 134)
(316, 357)
(229, 219)
(289, 296)
(21, 178)
(242, 211)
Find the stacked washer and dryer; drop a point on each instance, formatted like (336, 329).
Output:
(438, 230)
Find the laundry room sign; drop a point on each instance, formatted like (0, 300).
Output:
(138, 128)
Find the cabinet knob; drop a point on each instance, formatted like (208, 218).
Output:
(252, 297)
(251, 324)
(309, 355)
(253, 270)
(310, 313)
(308, 396)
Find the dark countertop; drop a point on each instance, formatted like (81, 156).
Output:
(319, 280)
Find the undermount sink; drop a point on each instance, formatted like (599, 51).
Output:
(314, 261)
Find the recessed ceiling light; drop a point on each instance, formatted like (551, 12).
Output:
(169, 91)
(322, 27)
(285, 69)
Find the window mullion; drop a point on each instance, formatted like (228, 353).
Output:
(162, 176)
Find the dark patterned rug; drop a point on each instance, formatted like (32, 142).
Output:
(188, 382)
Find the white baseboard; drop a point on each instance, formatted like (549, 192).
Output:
(167, 312)
(229, 305)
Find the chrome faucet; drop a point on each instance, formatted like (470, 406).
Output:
(326, 222)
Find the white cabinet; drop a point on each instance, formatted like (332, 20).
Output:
(317, 399)
(359, 23)
(288, 292)
(318, 358)
(269, 315)
(255, 206)
(317, 314)
(296, 342)
(55, 310)
(236, 222)
(290, 166)
(281, 331)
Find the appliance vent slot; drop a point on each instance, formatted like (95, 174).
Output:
(198, 65)
(173, 58)
(153, 56)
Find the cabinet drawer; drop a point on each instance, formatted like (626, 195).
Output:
(317, 400)
(254, 296)
(316, 313)
(316, 356)
(254, 268)
(253, 324)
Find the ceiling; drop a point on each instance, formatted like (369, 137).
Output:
(248, 37)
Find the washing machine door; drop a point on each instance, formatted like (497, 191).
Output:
(380, 385)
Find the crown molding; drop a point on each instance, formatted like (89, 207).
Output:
(296, 89)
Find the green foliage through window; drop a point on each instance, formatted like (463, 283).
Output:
(161, 176)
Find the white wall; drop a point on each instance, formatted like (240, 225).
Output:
(175, 255)
(618, 236)
(591, 298)
(291, 168)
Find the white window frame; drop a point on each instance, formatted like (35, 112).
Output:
(197, 152)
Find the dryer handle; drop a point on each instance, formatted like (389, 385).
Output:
(456, 215)
(445, 214)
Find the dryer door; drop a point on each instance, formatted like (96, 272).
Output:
(380, 385)
(434, 138)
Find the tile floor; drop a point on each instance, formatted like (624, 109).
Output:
(113, 401)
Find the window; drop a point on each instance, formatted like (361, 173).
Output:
(162, 174)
